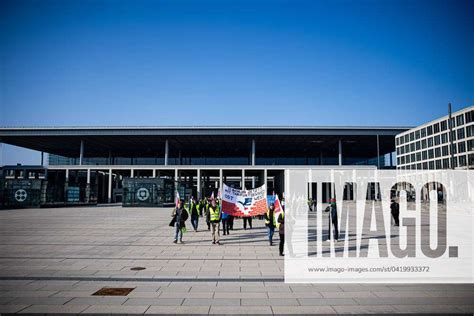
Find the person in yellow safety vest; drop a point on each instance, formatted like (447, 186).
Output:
(215, 218)
(281, 230)
(270, 222)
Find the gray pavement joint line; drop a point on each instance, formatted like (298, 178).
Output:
(145, 309)
(192, 243)
(143, 259)
(18, 311)
(126, 279)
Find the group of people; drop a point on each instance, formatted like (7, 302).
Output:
(210, 208)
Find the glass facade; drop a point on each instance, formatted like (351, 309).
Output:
(202, 161)
(434, 151)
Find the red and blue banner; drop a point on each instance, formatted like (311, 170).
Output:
(244, 203)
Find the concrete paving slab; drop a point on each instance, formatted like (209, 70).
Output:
(55, 309)
(115, 309)
(435, 309)
(40, 300)
(119, 300)
(269, 302)
(211, 302)
(240, 310)
(302, 310)
(68, 254)
(185, 310)
(326, 301)
(364, 309)
(154, 301)
(7, 309)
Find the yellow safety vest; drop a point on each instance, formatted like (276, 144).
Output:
(267, 220)
(282, 217)
(214, 212)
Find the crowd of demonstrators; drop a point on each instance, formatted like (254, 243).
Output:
(211, 209)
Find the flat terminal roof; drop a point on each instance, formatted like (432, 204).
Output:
(196, 141)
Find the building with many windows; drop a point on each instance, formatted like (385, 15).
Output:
(90, 164)
(429, 146)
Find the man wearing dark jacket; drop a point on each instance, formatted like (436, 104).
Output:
(332, 209)
(179, 216)
(193, 209)
(395, 210)
(281, 230)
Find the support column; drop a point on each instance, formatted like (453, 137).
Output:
(42, 158)
(166, 152)
(154, 173)
(340, 152)
(310, 185)
(253, 152)
(242, 186)
(253, 182)
(176, 181)
(199, 184)
(88, 186)
(391, 159)
(109, 195)
(221, 184)
(132, 173)
(265, 181)
(81, 153)
(66, 185)
(378, 152)
(328, 191)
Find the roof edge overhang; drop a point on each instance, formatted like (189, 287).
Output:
(201, 130)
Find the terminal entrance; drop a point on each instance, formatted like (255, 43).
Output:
(86, 185)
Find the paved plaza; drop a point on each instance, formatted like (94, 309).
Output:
(53, 260)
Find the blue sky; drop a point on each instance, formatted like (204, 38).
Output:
(232, 63)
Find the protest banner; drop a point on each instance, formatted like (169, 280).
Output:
(244, 203)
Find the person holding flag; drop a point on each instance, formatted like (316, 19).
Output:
(179, 217)
(208, 215)
(278, 206)
(280, 215)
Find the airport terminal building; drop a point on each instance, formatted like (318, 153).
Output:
(101, 164)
